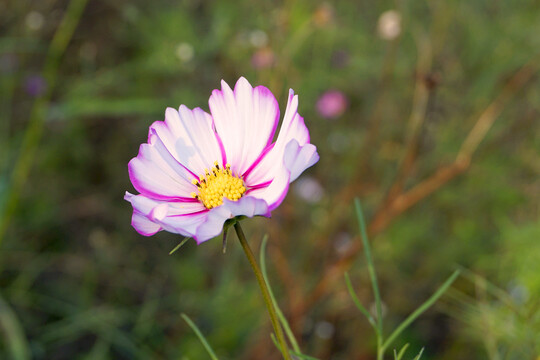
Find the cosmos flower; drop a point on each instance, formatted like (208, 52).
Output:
(199, 170)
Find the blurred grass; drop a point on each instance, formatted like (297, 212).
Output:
(82, 284)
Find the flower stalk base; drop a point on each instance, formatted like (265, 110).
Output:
(264, 289)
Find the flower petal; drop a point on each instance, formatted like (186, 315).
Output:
(190, 138)
(293, 128)
(151, 216)
(213, 225)
(273, 193)
(296, 159)
(143, 225)
(245, 120)
(152, 175)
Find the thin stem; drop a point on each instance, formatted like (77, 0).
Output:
(264, 290)
(426, 305)
(373, 277)
(201, 337)
(283, 320)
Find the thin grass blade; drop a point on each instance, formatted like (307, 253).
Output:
(282, 319)
(426, 305)
(15, 337)
(371, 267)
(200, 336)
(302, 356)
(179, 245)
(276, 343)
(398, 356)
(357, 302)
(419, 354)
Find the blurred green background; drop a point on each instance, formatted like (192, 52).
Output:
(412, 85)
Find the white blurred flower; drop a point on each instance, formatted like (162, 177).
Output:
(309, 189)
(324, 330)
(34, 20)
(389, 25)
(258, 38)
(184, 52)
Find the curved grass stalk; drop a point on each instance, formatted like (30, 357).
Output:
(15, 337)
(382, 344)
(426, 305)
(282, 319)
(200, 336)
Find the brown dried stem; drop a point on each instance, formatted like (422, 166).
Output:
(405, 200)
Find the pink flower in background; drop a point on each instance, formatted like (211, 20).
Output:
(332, 104)
(198, 170)
(263, 58)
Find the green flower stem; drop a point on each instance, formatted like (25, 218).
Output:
(264, 290)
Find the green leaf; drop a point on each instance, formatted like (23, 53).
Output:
(426, 305)
(371, 266)
(15, 337)
(419, 354)
(398, 356)
(200, 336)
(276, 343)
(357, 302)
(179, 245)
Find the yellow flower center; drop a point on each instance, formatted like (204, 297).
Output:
(217, 184)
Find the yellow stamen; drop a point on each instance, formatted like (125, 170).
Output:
(217, 184)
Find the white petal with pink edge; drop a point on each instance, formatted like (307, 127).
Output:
(143, 225)
(245, 119)
(213, 225)
(190, 138)
(292, 129)
(151, 216)
(296, 159)
(152, 175)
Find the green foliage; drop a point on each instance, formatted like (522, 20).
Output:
(383, 342)
(78, 282)
(201, 337)
(506, 320)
